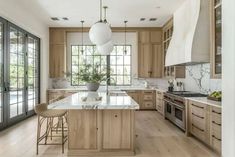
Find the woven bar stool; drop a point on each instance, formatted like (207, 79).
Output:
(47, 115)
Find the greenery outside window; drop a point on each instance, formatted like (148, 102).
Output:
(118, 62)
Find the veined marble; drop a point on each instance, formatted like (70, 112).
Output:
(111, 101)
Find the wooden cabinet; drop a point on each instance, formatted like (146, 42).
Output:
(57, 61)
(145, 98)
(198, 119)
(149, 55)
(159, 102)
(172, 71)
(116, 129)
(215, 131)
(101, 132)
(83, 129)
(134, 95)
(57, 54)
(216, 38)
(204, 123)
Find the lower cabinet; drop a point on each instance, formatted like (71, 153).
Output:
(204, 123)
(215, 131)
(159, 102)
(101, 132)
(116, 129)
(145, 98)
(82, 129)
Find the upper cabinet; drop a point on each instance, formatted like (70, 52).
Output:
(150, 55)
(170, 71)
(57, 54)
(216, 53)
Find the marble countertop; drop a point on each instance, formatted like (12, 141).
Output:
(110, 88)
(204, 100)
(111, 101)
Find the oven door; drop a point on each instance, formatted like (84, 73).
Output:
(169, 107)
(179, 116)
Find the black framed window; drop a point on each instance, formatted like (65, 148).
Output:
(20, 73)
(119, 63)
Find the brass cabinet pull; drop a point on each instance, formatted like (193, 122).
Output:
(216, 112)
(216, 138)
(216, 123)
(197, 128)
(197, 116)
(197, 106)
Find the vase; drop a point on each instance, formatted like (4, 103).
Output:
(92, 86)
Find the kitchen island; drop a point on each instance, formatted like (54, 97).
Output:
(99, 124)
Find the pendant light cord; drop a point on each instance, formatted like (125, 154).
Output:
(101, 10)
(125, 38)
(82, 38)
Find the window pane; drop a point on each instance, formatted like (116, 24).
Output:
(119, 60)
(118, 65)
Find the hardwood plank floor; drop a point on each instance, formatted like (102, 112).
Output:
(157, 137)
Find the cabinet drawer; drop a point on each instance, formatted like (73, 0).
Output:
(215, 111)
(216, 144)
(198, 122)
(198, 110)
(148, 105)
(148, 97)
(198, 132)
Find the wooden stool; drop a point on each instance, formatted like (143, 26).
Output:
(48, 115)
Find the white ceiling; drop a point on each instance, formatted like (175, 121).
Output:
(88, 10)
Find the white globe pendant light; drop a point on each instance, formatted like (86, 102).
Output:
(105, 49)
(100, 33)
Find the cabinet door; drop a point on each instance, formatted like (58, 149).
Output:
(117, 126)
(145, 61)
(83, 129)
(156, 61)
(156, 36)
(144, 37)
(57, 36)
(57, 61)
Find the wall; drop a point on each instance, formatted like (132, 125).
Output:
(228, 78)
(20, 15)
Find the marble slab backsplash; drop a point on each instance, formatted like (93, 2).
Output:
(198, 79)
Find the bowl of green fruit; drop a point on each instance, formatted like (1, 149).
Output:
(216, 96)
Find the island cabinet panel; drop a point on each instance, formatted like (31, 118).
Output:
(117, 129)
(82, 129)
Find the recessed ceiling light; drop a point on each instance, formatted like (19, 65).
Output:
(142, 19)
(65, 18)
(152, 19)
(55, 18)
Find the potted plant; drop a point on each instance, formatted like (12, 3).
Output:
(92, 75)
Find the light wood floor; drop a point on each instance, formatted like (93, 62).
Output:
(156, 138)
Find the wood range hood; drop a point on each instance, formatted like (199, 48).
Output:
(190, 43)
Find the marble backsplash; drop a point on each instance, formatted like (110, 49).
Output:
(197, 80)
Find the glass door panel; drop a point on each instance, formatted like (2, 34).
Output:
(16, 72)
(32, 72)
(1, 72)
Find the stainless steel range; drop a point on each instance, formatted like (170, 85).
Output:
(175, 106)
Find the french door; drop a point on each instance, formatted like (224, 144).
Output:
(20, 77)
(1, 70)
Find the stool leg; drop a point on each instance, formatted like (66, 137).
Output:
(47, 131)
(62, 135)
(51, 127)
(38, 133)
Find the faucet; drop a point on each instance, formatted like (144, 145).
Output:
(107, 86)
